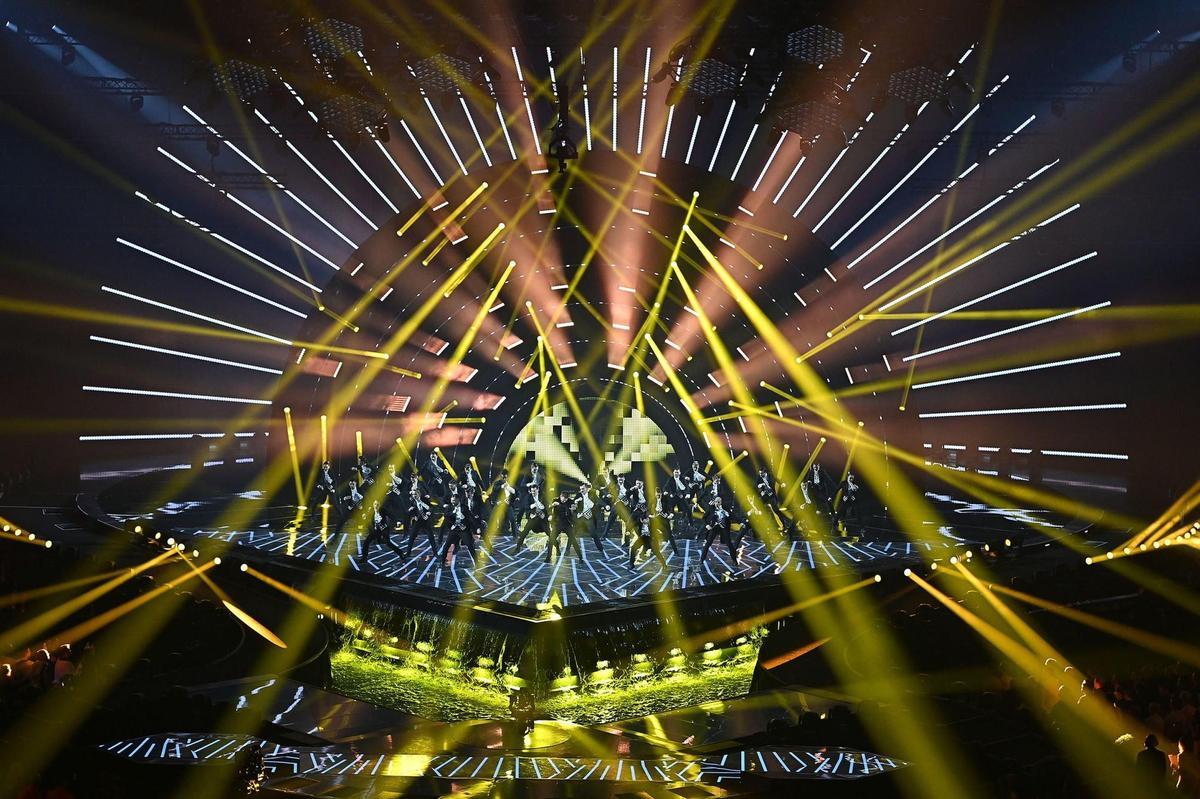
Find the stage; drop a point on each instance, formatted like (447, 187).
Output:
(505, 574)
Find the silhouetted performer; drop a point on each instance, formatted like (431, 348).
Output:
(846, 501)
(1152, 763)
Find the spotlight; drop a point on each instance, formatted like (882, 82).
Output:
(49, 544)
(953, 560)
(347, 115)
(1008, 542)
(933, 566)
(442, 73)
(815, 44)
(245, 566)
(170, 542)
(137, 528)
(216, 561)
(331, 39)
(879, 578)
(136, 101)
(710, 77)
(908, 572)
(1109, 555)
(1088, 561)
(240, 79)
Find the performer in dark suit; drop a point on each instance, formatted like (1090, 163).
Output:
(585, 510)
(325, 492)
(380, 533)
(660, 524)
(564, 524)
(460, 533)
(844, 509)
(352, 509)
(676, 503)
(536, 521)
(644, 540)
(771, 502)
(418, 518)
(504, 497)
(394, 502)
(437, 478)
(474, 489)
(717, 526)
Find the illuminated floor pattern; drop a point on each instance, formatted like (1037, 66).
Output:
(525, 578)
(286, 764)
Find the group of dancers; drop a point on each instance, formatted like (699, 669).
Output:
(453, 512)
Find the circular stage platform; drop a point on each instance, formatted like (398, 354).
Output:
(523, 576)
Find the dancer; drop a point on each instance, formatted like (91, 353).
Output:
(844, 504)
(606, 508)
(536, 521)
(364, 471)
(502, 495)
(718, 527)
(418, 518)
(766, 492)
(352, 503)
(438, 477)
(676, 502)
(643, 540)
(661, 522)
(584, 510)
(474, 489)
(394, 478)
(394, 501)
(460, 533)
(564, 524)
(380, 533)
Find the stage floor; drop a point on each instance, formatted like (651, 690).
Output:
(523, 576)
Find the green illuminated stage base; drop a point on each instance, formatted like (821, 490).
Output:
(444, 689)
